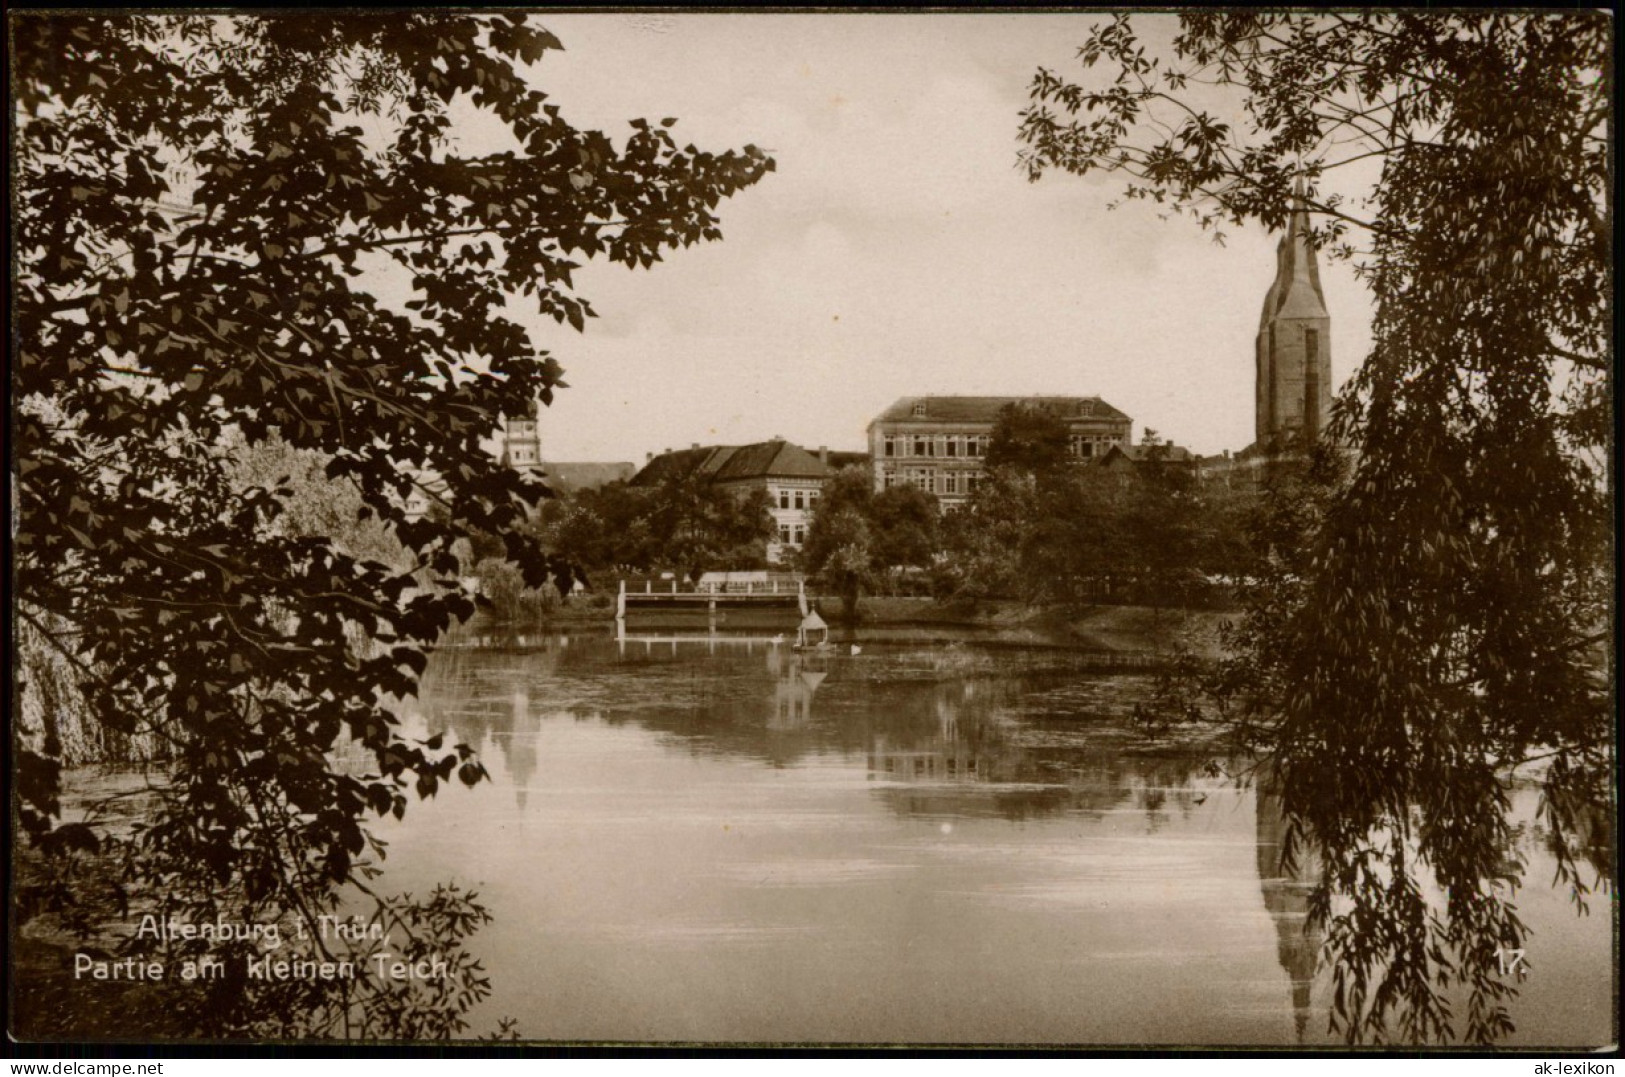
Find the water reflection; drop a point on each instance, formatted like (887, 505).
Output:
(796, 677)
(941, 730)
(727, 839)
(1287, 888)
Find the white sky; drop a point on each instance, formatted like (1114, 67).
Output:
(896, 251)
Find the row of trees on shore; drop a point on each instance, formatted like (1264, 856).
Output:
(1043, 527)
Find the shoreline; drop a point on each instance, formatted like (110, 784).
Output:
(1157, 630)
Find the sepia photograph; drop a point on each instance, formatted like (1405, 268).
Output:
(1046, 530)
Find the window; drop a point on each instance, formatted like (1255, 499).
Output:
(922, 445)
(801, 500)
(784, 499)
(889, 444)
(1089, 446)
(976, 445)
(800, 536)
(919, 410)
(950, 482)
(784, 535)
(951, 445)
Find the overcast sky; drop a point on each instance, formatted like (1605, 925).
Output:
(896, 251)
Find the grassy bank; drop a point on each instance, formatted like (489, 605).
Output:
(1124, 628)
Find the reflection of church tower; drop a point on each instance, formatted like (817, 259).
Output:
(1294, 380)
(519, 747)
(1286, 897)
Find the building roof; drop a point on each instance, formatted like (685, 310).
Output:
(585, 474)
(1296, 291)
(985, 409)
(838, 460)
(1172, 454)
(770, 459)
(670, 466)
(776, 459)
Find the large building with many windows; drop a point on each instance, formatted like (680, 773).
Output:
(792, 478)
(937, 443)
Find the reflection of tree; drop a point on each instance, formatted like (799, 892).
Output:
(963, 743)
(1286, 897)
(1590, 836)
(954, 747)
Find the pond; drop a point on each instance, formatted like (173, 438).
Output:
(927, 841)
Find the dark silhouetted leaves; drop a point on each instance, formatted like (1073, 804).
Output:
(221, 420)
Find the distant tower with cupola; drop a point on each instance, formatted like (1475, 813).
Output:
(521, 441)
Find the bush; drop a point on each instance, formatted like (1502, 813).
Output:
(503, 593)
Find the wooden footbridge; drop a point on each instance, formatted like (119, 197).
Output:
(664, 595)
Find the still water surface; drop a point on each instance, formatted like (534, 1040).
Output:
(928, 841)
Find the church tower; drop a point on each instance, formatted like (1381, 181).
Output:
(1294, 381)
(521, 441)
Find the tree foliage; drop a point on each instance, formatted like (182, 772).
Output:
(1448, 613)
(233, 230)
(1031, 438)
(683, 525)
(906, 522)
(840, 544)
(860, 540)
(1044, 526)
(699, 526)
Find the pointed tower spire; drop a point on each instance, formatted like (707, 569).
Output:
(1293, 349)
